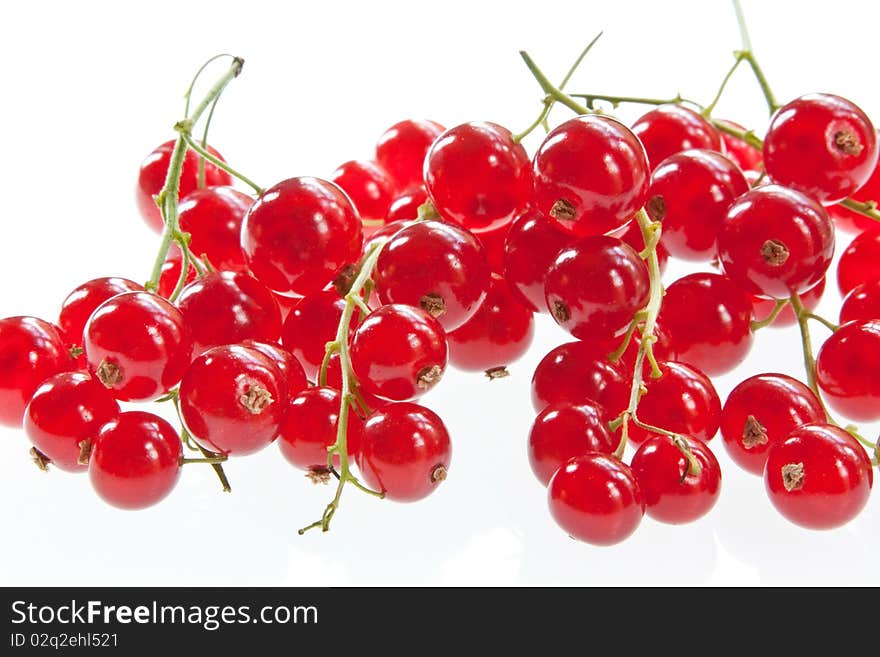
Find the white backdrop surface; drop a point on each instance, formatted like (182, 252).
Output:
(90, 88)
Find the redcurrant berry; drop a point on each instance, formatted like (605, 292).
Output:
(682, 400)
(743, 154)
(577, 372)
(760, 412)
(862, 304)
(672, 491)
(563, 431)
(819, 477)
(595, 286)
(776, 242)
(846, 370)
(405, 452)
(707, 320)
(860, 261)
(590, 175)
(226, 307)
(822, 145)
(135, 460)
(855, 222)
(154, 170)
(286, 362)
(138, 345)
(406, 206)
(31, 351)
(299, 234)
(499, 333)
(438, 267)
(66, 410)
(369, 187)
(310, 326)
(690, 193)
(670, 129)
(213, 216)
(477, 175)
(81, 303)
(399, 352)
(530, 247)
(232, 400)
(310, 426)
(595, 498)
(402, 148)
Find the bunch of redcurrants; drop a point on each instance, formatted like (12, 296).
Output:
(316, 313)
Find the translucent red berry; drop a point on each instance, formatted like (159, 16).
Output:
(590, 175)
(402, 148)
(213, 216)
(762, 411)
(822, 145)
(741, 152)
(405, 452)
(135, 460)
(819, 477)
(862, 304)
(82, 302)
(578, 372)
(369, 187)
(776, 242)
(299, 234)
(477, 175)
(670, 129)
(286, 362)
(846, 370)
(310, 326)
(406, 206)
(595, 498)
(859, 262)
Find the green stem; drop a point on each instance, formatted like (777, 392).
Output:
(589, 99)
(831, 326)
(767, 321)
(772, 105)
(743, 28)
(806, 344)
(181, 280)
(220, 164)
(747, 136)
(168, 197)
(866, 208)
(201, 177)
(711, 106)
(548, 87)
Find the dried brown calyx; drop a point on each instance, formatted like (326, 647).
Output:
(110, 374)
(85, 451)
(847, 142)
(561, 312)
(793, 476)
(774, 252)
(429, 376)
(438, 474)
(40, 460)
(656, 207)
(256, 399)
(754, 433)
(433, 304)
(563, 210)
(318, 475)
(497, 373)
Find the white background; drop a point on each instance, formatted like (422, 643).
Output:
(88, 89)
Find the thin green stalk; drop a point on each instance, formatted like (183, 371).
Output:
(220, 164)
(711, 106)
(590, 99)
(551, 90)
(806, 344)
(767, 321)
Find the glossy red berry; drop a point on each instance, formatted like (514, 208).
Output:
(31, 351)
(232, 400)
(369, 187)
(213, 216)
(590, 175)
(859, 262)
(846, 370)
(566, 430)
(138, 345)
(154, 170)
(82, 302)
(531, 246)
(707, 320)
(493, 246)
(66, 410)
(742, 153)
(762, 411)
(402, 148)
(809, 299)
(670, 129)
(855, 222)
(286, 362)
(822, 145)
(399, 352)
(310, 426)
(690, 193)
(406, 206)
(775, 242)
(595, 498)
(499, 333)
(226, 307)
(170, 274)
(405, 452)
(135, 460)
(299, 234)
(672, 491)
(819, 477)
(477, 175)
(310, 326)
(577, 372)
(595, 286)
(682, 400)
(438, 267)
(862, 304)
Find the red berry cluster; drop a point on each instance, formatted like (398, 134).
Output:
(318, 312)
